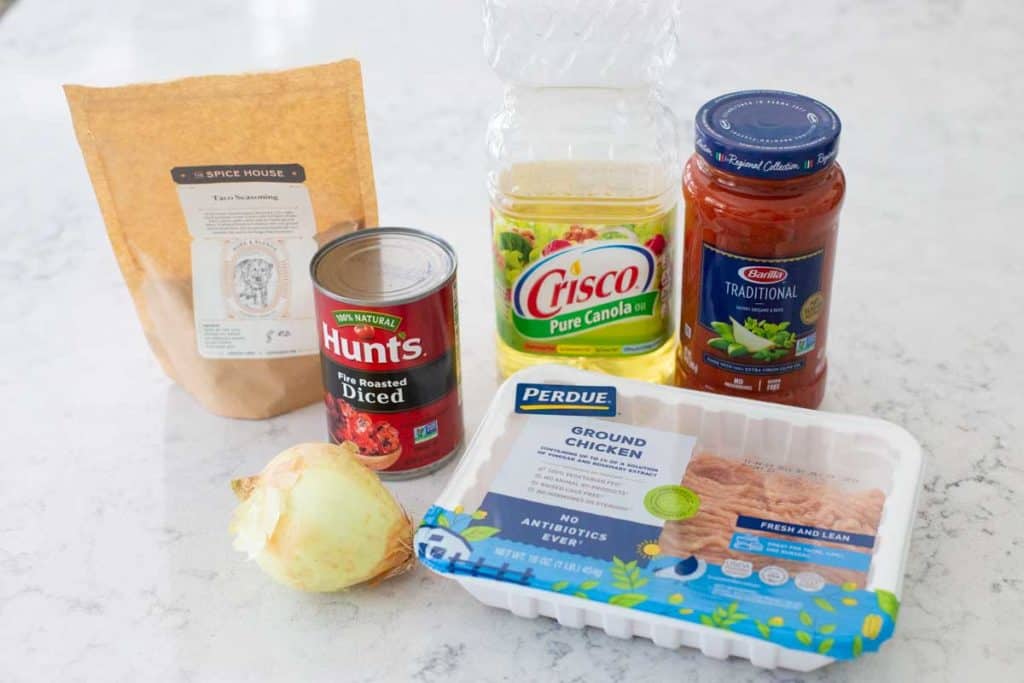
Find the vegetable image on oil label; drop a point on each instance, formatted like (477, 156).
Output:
(762, 312)
(583, 290)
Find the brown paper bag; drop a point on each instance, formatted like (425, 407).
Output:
(215, 191)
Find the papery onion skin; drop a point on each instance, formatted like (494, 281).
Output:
(318, 520)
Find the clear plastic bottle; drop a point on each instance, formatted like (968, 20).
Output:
(583, 185)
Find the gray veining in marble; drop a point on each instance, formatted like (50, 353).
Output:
(115, 562)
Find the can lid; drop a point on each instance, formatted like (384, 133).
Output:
(767, 134)
(381, 266)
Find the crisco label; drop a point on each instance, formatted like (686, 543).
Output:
(583, 289)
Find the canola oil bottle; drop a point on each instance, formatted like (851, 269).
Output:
(583, 185)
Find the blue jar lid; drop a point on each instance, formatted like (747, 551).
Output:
(767, 134)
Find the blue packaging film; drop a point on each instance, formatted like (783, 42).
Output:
(595, 509)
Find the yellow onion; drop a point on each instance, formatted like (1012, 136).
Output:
(318, 520)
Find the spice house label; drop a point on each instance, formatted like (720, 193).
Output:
(252, 229)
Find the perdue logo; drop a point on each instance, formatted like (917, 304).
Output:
(763, 275)
(576, 279)
(565, 399)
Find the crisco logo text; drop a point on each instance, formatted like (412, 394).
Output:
(579, 278)
(558, 288)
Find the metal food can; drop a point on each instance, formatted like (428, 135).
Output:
(389, 346)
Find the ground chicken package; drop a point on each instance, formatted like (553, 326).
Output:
(743, 528)
(216, 191)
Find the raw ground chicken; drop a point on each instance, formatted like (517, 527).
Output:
(728, 488)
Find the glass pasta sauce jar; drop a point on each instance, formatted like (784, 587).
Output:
(763, 193)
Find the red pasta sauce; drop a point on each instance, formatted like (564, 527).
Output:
(763, 194)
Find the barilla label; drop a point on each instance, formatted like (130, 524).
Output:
(760, 317)
(583, 289)
(561, 399)
(644, 519)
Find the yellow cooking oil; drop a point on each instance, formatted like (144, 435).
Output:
(584, 257)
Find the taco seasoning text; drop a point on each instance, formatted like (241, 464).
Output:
(386, 318)
(763, 193)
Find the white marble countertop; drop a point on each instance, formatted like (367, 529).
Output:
(115, 562)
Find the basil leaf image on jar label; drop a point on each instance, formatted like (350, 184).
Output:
(735, 350)
(758, 340)
(752, 341)
(723, 329)
(720, 343)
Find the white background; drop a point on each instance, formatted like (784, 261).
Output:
(115, 562)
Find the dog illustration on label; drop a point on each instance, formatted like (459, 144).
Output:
(254, 276)
(252, 282)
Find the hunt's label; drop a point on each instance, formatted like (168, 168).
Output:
(391, 378)
(252, 229)
(583, 290)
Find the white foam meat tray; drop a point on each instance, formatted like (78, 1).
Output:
(881, 453)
